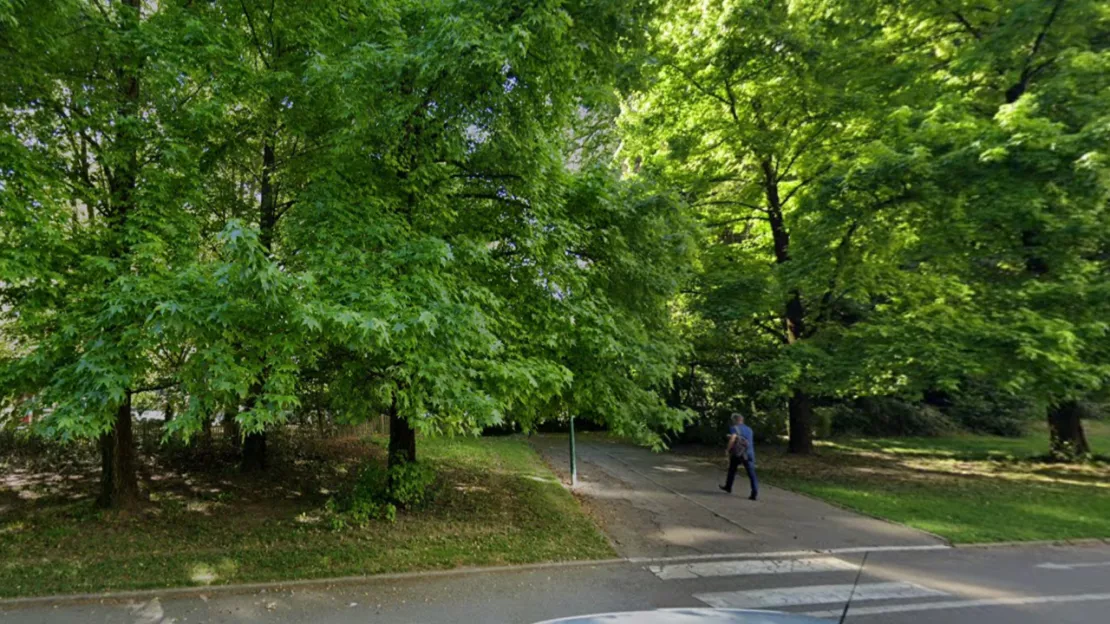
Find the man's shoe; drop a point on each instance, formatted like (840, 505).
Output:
(725, 489)
(753, 497)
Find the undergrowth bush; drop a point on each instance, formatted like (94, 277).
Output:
(377, 494)
(888, 416)
(982, 409)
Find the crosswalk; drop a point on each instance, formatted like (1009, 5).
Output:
(748, 567)
(805, 585)
(814, 595)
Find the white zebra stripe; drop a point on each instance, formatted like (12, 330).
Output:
(814, 594)
(750, 566)
(961, 604)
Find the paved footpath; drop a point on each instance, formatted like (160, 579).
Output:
(699, 549)
(657, 505)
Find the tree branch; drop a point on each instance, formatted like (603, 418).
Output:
(1027, 71)
(804, 182)
(254, 34)
(736, 220)
(967, 25)
(696, 84)
(160, 385)
(495, 197)
(727, 202)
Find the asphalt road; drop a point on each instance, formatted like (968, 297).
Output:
(1012, 585)
(682, 545)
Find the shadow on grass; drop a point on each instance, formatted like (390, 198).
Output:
(494, 502)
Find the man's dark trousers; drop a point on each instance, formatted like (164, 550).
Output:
(734, 462)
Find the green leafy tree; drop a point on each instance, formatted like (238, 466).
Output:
(1014, 221)
(93, 192)
(751, 110)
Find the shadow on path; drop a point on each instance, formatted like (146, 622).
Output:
(665, 504)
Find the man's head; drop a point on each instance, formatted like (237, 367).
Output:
(738, 419)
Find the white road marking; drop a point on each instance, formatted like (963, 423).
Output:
(814, 594)
(1072, 566)
(790, 553)
(750, 566)
(960, 604)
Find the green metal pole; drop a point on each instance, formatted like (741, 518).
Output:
(573, 459)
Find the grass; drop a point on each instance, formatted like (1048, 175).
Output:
(495, 502)
(1033, 444)
(968, 489)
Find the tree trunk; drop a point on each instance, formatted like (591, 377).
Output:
(253, 456)
(402, 437)
(254, 452)
(254, 444)
(167, 411)
(801, 423)
(794, 320)
(231, 426)
(119, 486)
(1065, 428)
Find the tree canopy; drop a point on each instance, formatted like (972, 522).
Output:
(469, 214)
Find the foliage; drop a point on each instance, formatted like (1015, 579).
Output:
(888, 416)
(981, 409)
(360, 206)
(378, 493)
(898, 199)
(410, 484)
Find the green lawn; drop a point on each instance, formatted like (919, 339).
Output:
(964, 488)
(495, 503)
(1033, 444)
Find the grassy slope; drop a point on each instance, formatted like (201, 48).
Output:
(965, 488)
(496, 503)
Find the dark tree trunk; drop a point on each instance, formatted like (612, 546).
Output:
(167, 411)
(794, 320)
(254, 444)
(119, 486)
(231, 427)
(254, 452)
(253, 457)
(402, 437)
(1065, 429)
(801, 423)
(267, 213)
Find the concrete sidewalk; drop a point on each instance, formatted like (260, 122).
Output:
(664, 504)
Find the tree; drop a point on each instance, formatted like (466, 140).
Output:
(1015, 223)
(752, 107)
(440, 211)
(92, 202)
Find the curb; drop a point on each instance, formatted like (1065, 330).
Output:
(244, 588)
(1089, 541)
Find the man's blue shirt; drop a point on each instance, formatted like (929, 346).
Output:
(745, 432)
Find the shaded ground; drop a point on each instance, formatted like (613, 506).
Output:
(668, 504)
(494, 502)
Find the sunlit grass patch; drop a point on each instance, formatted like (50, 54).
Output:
(965, 488)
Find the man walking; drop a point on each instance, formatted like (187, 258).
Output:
(741, 450)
